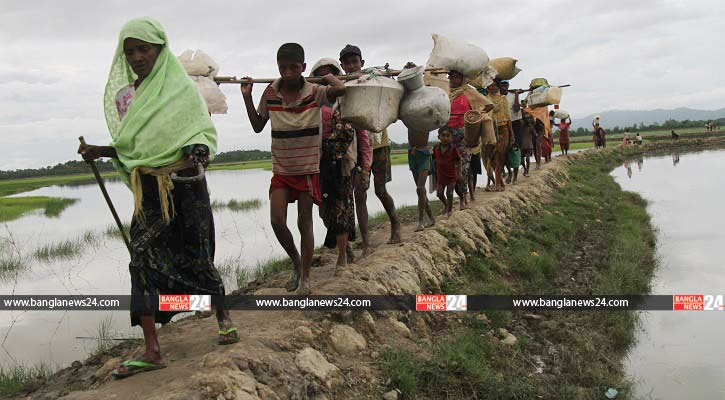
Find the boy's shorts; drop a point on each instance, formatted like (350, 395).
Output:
(381, 165)
(296, 184)
(419, 161)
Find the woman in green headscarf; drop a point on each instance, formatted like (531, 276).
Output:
(161, 136)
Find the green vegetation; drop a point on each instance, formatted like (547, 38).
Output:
(18, 181)
(64, 249)
(112, 230)
(14, 207)
(237, 205)
(13, 379)
(13, 186)
(11, 259)
(592, 238)
(232, 268)
(665, 127)
(105, 336)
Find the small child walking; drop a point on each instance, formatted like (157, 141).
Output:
(446, 158)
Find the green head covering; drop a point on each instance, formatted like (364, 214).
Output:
(167, 112)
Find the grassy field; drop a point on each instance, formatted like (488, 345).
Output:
(593, 239)
(14, 207)
(13, 186)
(659, 134)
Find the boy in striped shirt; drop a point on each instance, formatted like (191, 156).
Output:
(293, 106)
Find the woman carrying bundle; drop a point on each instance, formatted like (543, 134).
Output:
(161, 132)
(463, 99)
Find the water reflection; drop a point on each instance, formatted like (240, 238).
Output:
(679, 355)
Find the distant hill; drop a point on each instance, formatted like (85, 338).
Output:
(627, 118)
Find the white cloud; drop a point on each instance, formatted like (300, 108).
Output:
(616, 54)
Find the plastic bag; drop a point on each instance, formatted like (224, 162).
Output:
(215, 100)
(544, 96)
(451, 54)
(425, 109)
(371, 102)
(198, 64)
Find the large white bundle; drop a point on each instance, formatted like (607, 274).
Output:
(425, 109)
(452, 54)
(561, 114)
(198, 64)
(201, 69)
(544, 96)
(215, 100)
(371, 102)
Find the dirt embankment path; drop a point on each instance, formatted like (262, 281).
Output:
(322, 355)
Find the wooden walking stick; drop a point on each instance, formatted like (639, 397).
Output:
(108, 199)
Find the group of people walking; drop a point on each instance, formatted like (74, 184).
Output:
(163, 138)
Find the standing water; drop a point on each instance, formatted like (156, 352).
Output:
(244, 239)
(679, 355)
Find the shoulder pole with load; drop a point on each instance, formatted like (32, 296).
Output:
(384, 71)
(529, 90)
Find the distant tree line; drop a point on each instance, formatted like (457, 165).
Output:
(641, 127)
(80, 167)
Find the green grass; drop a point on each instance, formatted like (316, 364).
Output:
(13, 379)
(14, 207)
(237, 205)
(592, 238)
(104, 339)
(11, 259)
(112, 230)
(233, 268)
(62, 250)
(13, 186)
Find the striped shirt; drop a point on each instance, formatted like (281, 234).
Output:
(296, 138)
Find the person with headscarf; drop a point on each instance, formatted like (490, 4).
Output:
(162, 138)
(463, 99)
(337, 162)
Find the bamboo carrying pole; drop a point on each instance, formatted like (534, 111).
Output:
(108, 198)
(529, 90)
(388, 72)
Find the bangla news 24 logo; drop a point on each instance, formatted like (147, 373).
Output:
(697, 302)
(441, 302)
(184, 302)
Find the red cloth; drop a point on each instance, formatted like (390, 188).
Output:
(297, 184)
(446, 164)
(459, 106)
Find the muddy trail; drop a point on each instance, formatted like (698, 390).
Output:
(327, 355)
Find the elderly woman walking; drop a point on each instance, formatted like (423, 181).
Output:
(162, 137)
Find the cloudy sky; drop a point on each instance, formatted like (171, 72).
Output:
(616, 54)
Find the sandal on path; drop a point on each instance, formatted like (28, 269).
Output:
(135, 367)
(225, 339)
